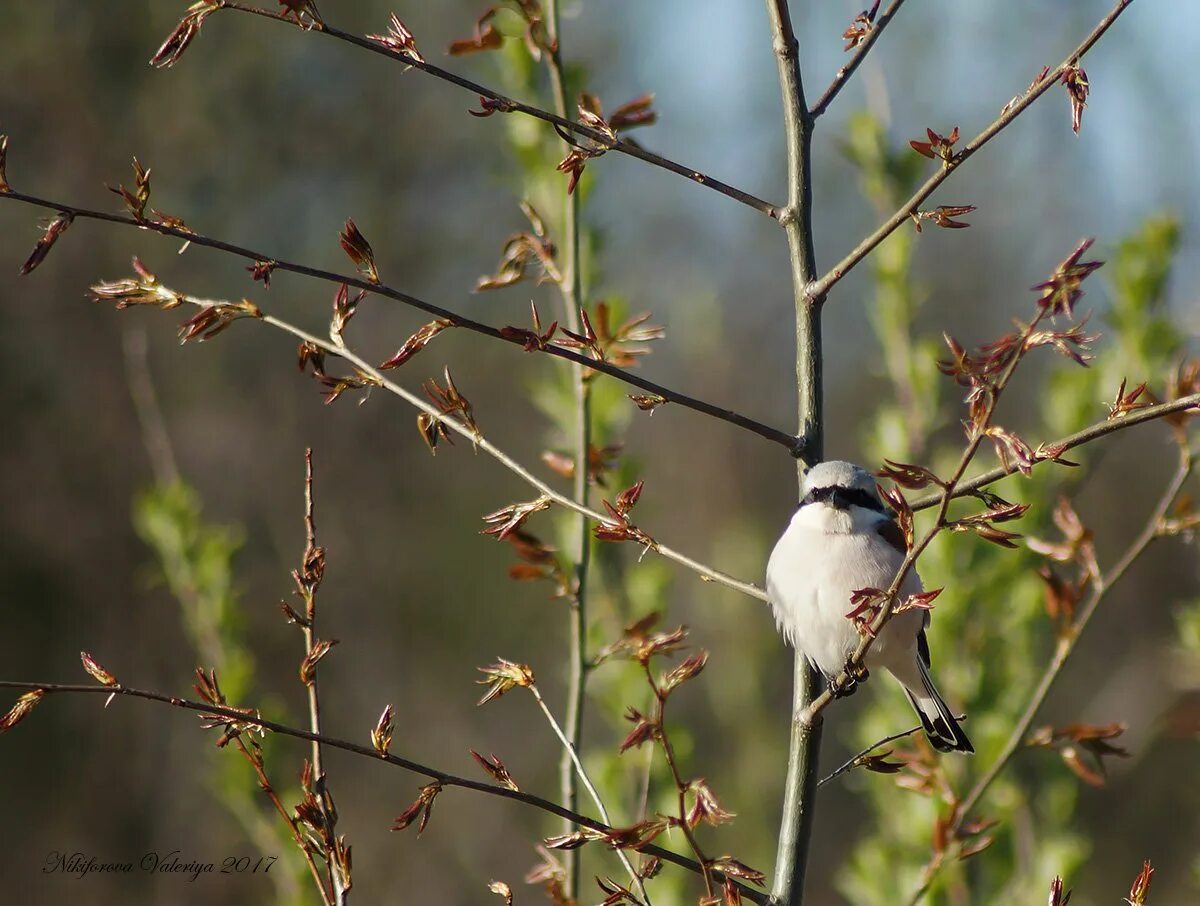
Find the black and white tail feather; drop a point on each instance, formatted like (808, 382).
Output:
(944, 731)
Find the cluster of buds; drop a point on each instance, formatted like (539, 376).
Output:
(504, 676)
(507, 520)
(449, 401)
(496, 770)
(601, 461)
(640, 642)
(943, 215)
(618, 526)
(415, 343)
(209, 689)
(523, 250)
(310, 355)
(856, 32)
(422, 807)
(184, 33)
(399, 39)
(1075, 80)
(938, 147)
(538, 562)
(1075, 740)
(316, 818)
(487, 37)
(632, 114)
(355, 245)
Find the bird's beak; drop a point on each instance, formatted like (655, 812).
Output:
(838, 500)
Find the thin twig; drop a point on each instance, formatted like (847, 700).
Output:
(508, 105)
(155, 437)
(307, 587)
(860, 53)
(1078, 439)
(819, 289)
(680, 785)
(571, 288)
(854, 760)
(577, 765)
(804, 747)
(331, 742)
(735, 418)
(264, 783)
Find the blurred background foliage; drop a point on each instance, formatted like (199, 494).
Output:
(270, 138)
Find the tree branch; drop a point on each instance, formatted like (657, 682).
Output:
(805, 741)
(331, 742)
(571, 285)
(727, 415)
(818, 289)
(508, 105)
(1066, 647)
(860, 53)
(1078, 439)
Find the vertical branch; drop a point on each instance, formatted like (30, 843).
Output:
(571, 286)
(308, 578)
(804, 747)
(310, 611)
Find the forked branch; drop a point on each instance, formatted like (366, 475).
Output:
(819, 289)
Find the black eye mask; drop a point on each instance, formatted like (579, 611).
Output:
(842, 498)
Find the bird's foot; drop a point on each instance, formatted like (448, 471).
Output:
(855, 674)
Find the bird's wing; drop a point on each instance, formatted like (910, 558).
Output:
(890, 532)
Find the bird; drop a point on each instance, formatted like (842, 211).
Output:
(840, 539)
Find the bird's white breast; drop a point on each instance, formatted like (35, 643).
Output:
(822, 558)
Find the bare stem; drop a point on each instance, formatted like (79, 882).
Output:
(508, 105)
(727, 415)
(860, 53)
(572, 753)
(805, 743)
(331, 742)
(307, 588)
(818, 289)
(571, 286)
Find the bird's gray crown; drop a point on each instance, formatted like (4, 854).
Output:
(853, 484)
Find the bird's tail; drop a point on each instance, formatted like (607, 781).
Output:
(944, 732)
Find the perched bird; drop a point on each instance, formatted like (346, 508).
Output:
(841, 539)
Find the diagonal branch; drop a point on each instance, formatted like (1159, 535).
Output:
(860, 53)
(818, 289)
(505, 104)
(480, 442)
(1078, 439)
(727, 415)
(331, 742)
